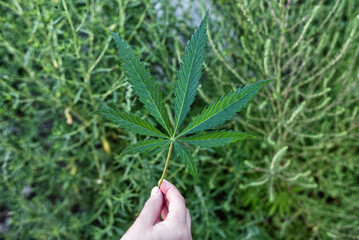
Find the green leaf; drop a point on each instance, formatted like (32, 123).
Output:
(187, 159)
(215, 139)
(143, 83)
(130, 122)
(146, 146)
(189, 74)
(224, 109)
(161, 148)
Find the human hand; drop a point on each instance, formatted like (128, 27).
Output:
(168, 202)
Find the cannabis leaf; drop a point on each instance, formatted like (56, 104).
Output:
(142, 82)
(189, 74)
(130, 122)
(215, 139)
(222, 110)
(146, 145)
(187, 159)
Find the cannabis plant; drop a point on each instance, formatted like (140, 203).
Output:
(186, 86)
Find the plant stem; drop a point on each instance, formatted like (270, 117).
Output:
(164, 170)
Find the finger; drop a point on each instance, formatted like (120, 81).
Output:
(164, 213)
(188, 220)
(176, 203)
(157, 221)
(165, 201)
(152, 208)
(160, 218)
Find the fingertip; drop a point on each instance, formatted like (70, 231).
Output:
(166, 185)
(155, 191)
(170, 191)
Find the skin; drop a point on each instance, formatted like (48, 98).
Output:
(168, 202)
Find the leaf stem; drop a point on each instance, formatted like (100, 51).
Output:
(164, 170)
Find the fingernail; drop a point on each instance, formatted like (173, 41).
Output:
(155, 191)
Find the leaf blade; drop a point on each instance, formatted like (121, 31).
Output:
(190, 72)
(130, 122)
(145, 145)
(187, 159)
(143, 83)
(224, 108)
(215, 138)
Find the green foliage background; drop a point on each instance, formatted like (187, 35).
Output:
(298, 179)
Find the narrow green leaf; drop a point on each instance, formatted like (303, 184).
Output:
(189, 74)
(187, 159)
(165, 146)
(145, 146)
(143, 83)
(130, 122)
(224, 109)
(215, 139)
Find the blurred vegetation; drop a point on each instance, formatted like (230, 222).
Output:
(61, 174)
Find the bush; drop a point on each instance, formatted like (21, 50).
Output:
(61, 174)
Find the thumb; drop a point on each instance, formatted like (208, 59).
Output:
(152, 208)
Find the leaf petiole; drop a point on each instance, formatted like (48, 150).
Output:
(164, 170)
